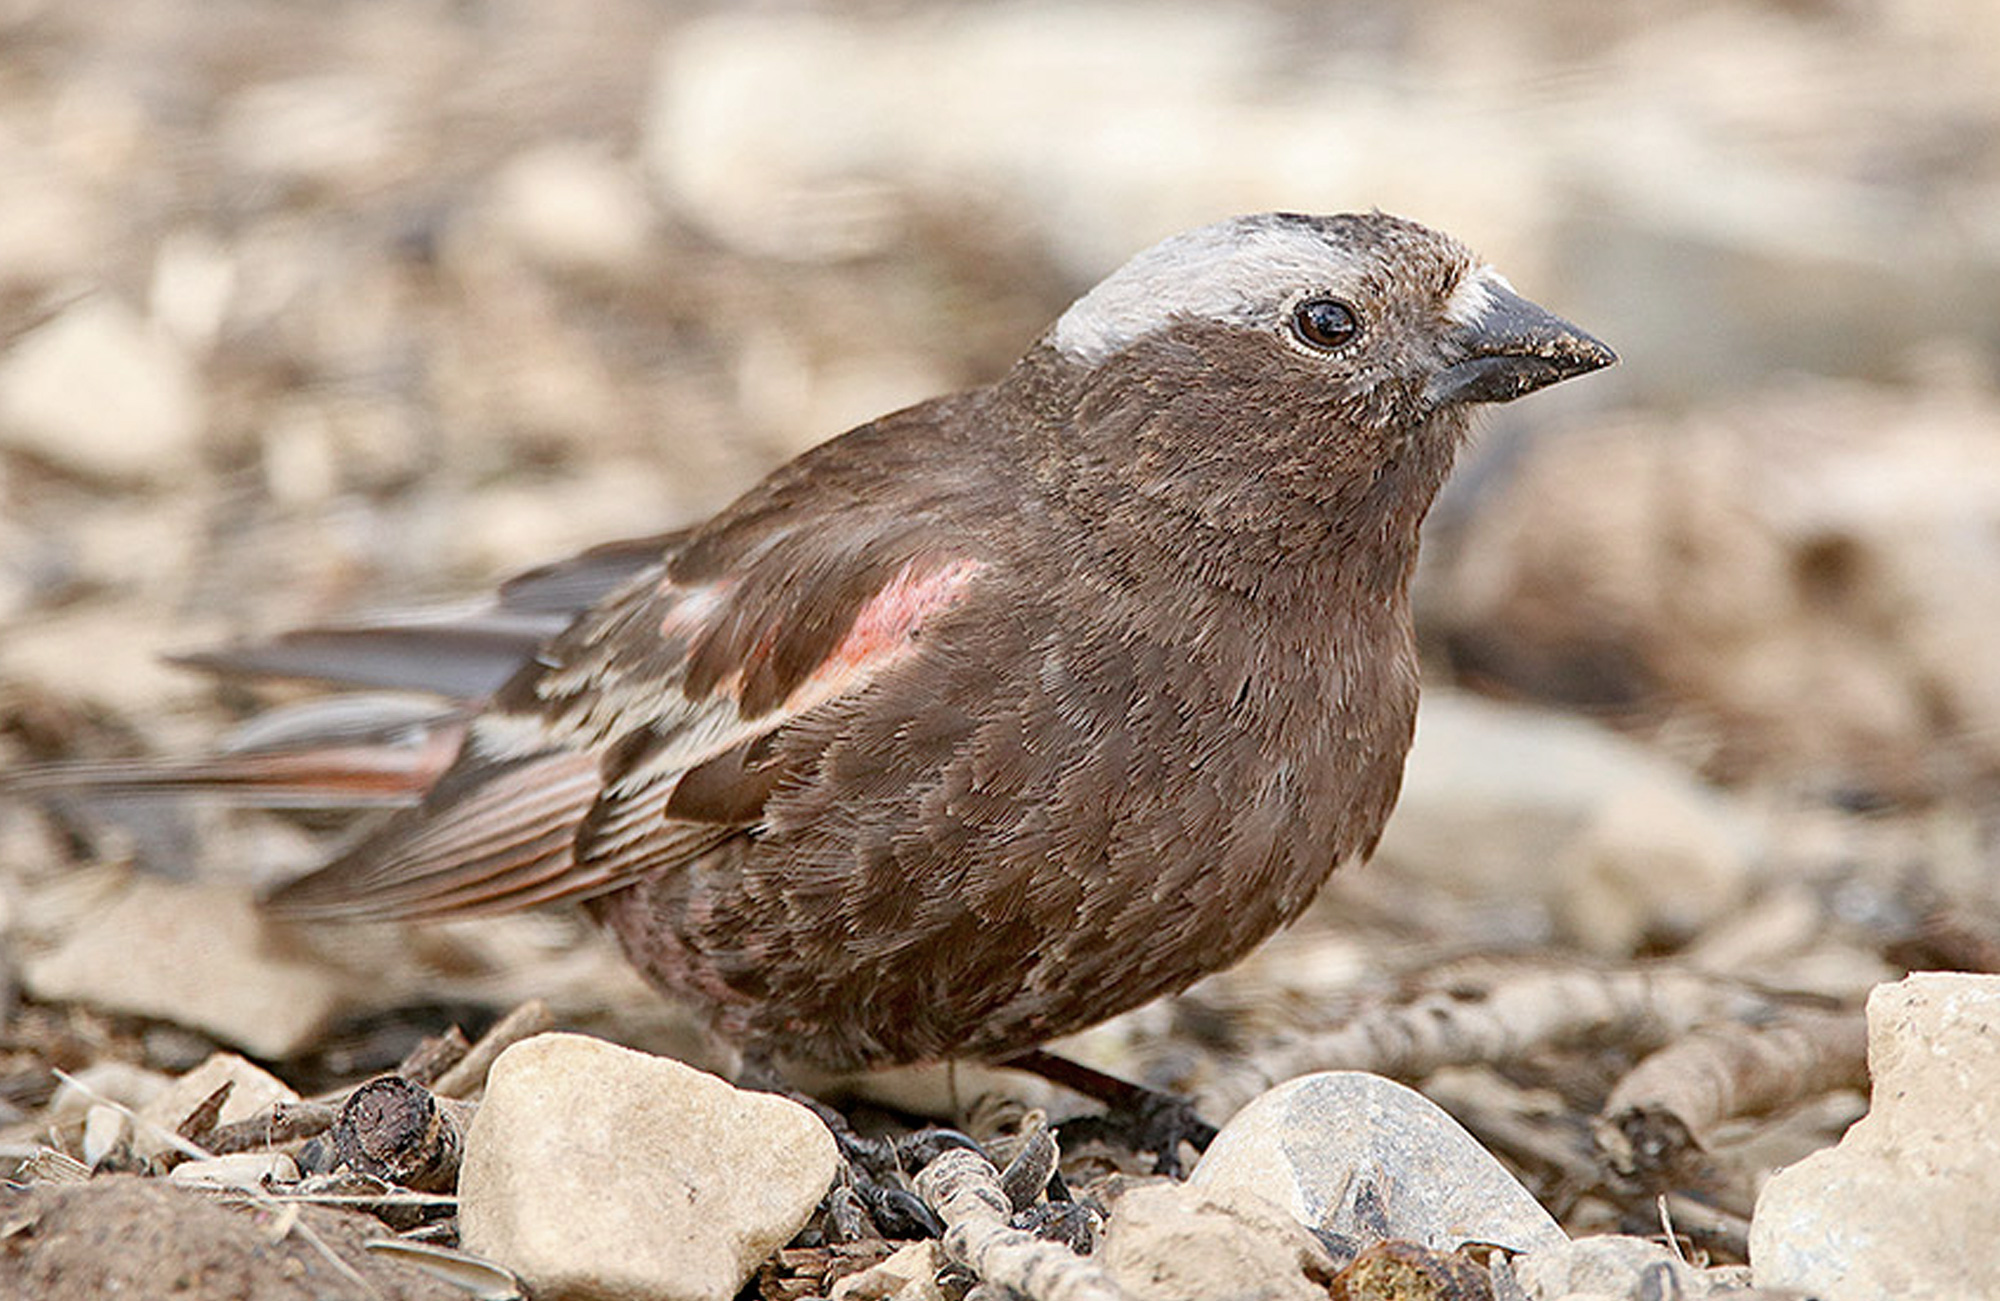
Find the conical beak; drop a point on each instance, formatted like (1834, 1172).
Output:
(1510, 348)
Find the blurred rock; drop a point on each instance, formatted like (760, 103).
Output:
(1167, 1242)
(115, 1082)
(252, 1090)
(333, 131)
(819, 136)
(1810, 577)
(101, 393)
(49, 227)
(200, 955)
(1636, 174)
(572, 207)
(596, 1171)
(1368, 1159)
(1611, 843)
(1905, 1206)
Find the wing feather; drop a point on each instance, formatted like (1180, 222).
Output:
(565, 788)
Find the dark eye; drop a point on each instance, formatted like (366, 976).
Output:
(1325, 323)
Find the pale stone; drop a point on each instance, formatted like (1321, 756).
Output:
(331, 130)
(121, 1084)
(199, 955)
(1613, 1265)
(101, 392)
(910, 1274)
(1904, 1206)
(104, 1128)
(594, 1171)
(239, 1170)
(1166, 1242)
(573, 208)
(252, 1091)
(1355, 1154)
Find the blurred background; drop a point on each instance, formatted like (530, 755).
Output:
(308, 310)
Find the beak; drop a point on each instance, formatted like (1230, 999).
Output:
(1511, 348)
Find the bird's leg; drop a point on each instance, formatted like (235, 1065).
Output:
(1146, 1120)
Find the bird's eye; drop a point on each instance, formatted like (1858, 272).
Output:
(1325, 323)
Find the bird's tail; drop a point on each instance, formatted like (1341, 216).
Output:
(347, 751)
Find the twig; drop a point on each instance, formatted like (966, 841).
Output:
(469, 1075)
(281, 1122)
(1659, 1117)
(431, 1059)
(1518, 1014)
(393, 1129)
(964, 1189)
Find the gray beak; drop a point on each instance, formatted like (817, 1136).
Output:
(1512, 349)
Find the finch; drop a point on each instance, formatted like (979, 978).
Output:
(996, 716)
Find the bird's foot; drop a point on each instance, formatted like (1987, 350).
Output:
(1135, 1117)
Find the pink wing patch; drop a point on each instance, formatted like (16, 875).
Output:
(885, 628)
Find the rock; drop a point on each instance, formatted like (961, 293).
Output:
(241, 1170)
(1904, 1206)
(120, 1083)
(1366, 1158)
(102, 393)
(908, 1275)
(120, 1236)
(594, 1171)
(105, 1128)
(1165, 1242)
(1588, 834)
(196, 954)
(1613, 1265)
(252, 1090)
(332, 130)
(819, 135)
(1808, 575)
(570, 207)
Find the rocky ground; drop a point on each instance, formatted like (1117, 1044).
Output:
(310, 311)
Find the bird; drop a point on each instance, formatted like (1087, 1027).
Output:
(984, 721)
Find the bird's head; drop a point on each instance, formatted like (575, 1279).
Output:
(1297, 385)
(1386, 321)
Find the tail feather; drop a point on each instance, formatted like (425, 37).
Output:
(333, 753)
(462, 658)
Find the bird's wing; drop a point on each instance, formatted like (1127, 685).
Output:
(466, 651)
(640, 737)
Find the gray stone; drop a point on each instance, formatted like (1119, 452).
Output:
(1165, 1242)
(199, 955)
(1367, 1158)
(594, 1171)
(1905, 1206)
